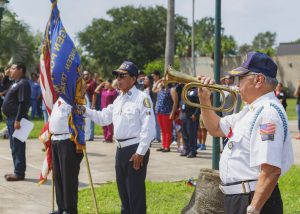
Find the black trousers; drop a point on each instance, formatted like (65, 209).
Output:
(237, 204)
(131, 182)
(66, 166)
(189, 134)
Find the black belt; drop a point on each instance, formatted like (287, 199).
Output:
(234, 183)
(122, 140)
(60, 134)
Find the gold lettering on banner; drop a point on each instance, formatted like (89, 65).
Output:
(60, 39)
(62, 87)
(70, 59)
(63, 83)
(52, 63)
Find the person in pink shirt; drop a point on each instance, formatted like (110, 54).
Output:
(108, 95)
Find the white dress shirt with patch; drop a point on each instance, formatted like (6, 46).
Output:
(132, 116)
(258, 135)
(58, 121)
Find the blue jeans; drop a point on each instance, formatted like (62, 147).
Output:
(45, 115)
(33, 108)
(17, 150)
(298, 113)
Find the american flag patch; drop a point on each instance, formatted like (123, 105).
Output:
(267, 131)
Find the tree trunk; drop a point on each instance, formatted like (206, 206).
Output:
(170, 34)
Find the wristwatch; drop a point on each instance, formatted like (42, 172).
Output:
(251, 210)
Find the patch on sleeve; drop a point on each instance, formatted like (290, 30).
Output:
(146, 103)
(148, 113)
(267, 131)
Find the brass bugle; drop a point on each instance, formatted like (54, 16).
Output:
(173, 76)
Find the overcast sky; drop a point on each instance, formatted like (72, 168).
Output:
(243, 19)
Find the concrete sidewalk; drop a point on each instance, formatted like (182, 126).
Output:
(27, 197)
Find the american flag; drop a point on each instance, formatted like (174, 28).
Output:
(267, 128)
(49, 98)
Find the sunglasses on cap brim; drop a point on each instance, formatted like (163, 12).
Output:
(120, 75)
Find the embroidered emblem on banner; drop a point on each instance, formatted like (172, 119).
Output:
(146, 103)
(267, 131)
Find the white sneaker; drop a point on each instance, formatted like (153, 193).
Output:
(174, 142)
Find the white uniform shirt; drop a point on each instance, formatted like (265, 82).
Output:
(259, 134)
(132, 116)
(58, 121)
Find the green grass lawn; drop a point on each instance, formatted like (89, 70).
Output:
(289, 186)
(291, 109)
(171, 198)
(162, 198)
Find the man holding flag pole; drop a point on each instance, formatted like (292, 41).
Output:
(60, 63)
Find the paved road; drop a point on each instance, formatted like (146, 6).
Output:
(27, 197)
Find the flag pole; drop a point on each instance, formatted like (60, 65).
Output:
(91, 181)
(53, 196)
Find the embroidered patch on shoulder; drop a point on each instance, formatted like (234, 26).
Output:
(267, 131)
(146, 103)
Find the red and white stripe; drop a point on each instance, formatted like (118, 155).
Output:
(49, 97)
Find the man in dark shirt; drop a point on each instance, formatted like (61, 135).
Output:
(15, 107)
(189, 117)
(281, 95)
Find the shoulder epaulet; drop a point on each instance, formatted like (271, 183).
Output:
(282, 117)
(255, 118)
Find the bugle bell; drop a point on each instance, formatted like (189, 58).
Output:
(173, 76)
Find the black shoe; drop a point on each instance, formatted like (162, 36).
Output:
(55, 212)
(191, 155)
(14, 178)
(166, 150)
(160, 149)
(7, 175)
(184, 154)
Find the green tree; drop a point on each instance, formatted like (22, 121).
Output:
(159, 64)
(137, 34)
(297, 41)
(204, 38)
(265, 42)
(17, 43)
(183, 33)
(244, 49)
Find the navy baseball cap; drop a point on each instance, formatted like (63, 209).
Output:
(258, 63)
(125, 67)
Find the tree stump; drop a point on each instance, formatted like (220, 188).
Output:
(207, 197)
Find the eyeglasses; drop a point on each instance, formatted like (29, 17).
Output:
(240, 78)
(121, 76)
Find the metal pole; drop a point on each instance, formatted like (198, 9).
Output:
(53, 189)
(217, 63)
(1, 16)
(91, 181)
(193, 40)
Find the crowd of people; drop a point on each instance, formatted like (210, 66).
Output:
(134, 120)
